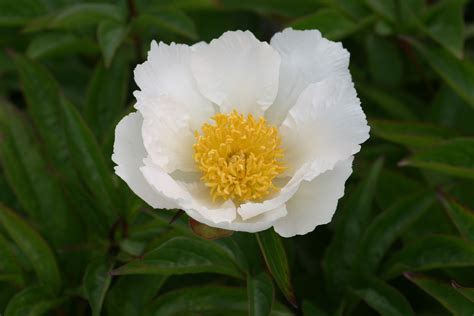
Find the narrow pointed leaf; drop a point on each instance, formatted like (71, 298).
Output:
(96, 283)
(382, 297)
(10, 269)
(410, 134)
(169, 20)
(208, 300)
(13, 13)
(110, 35)
(387, 227)
(30, 177)
(458, 74)
(274, 254)
(33, 247)
(41, 92)
(445, 24)
(330, 22)
(182, 255)
(33, 301)
(75, 16)
(443, 293)
(59, 44)
(106, 96)
(260, 294)
(89, 162)
(465, 291)
(131, 293)
(462, 217)
(339, 256)
(430, 253)
(454, 157)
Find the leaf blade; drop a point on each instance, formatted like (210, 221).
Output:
(274, 254)
(182, 255)
(34, 247)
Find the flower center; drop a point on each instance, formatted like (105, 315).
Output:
(239, 157)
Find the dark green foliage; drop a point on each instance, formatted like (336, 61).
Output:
(74, 240)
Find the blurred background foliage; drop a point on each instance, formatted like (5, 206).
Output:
(74, 240)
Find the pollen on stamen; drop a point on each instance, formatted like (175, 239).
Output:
(239, 157)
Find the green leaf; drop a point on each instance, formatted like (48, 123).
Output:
(382, 297)
(385, 8)
(430, 253)
(384, 61)
(330, 22)
(44, 105)
(33, 301)
(33, 247)
(458, 74)
(443, 293)
(388, 102)
(208, 232)
(462, 217)
(182, 255)
(448, 109)
(76, 16)
(274, 254)
(184, 4)
(386, 227)
(96, 283)
(10, 270)
(131, 293)
(310, 309)
(110, 35)
(260, 294)
(170, 20)
(410, 134)
(454, 157)
(339, 256)
(445, 24)
(106, 96)
(207, 300)
(13, 13)
(466, 292)
(59, 44)
(89, 162)
(29, 176)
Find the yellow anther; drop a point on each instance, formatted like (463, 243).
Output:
(239, 157)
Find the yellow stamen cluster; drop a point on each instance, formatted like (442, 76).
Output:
(239, 157)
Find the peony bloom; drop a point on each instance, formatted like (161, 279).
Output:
(242, 134)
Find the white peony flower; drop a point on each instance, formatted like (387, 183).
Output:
(242, 134)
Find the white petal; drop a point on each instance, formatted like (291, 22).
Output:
(256, 224)
(167, 72)
(315, 202)
(306, 57)
(237, 71)
(188, 196)
(325, 126)
(128, 155)
(249, 210)
(167, 134)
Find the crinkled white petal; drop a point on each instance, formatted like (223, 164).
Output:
(253, 225)
(315, 201)
(171, 105)
(249, 210)
(128, 155)
(189, 196)
(167, 135)
(325, 126)
(306, 57)
(167, 71)
(237, 71)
